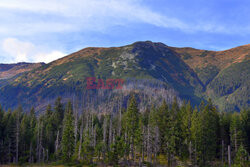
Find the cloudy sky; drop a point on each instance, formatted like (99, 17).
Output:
(45, 30)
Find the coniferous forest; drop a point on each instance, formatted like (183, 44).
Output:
(125, 83)
(165, 135)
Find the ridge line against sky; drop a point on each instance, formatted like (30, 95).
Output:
(45, 30)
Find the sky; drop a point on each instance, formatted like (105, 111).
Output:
(45, 30)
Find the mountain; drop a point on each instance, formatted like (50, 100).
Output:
(150, 68)
(10, 70)
(225, 74)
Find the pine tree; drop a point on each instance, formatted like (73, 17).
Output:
(186, 115)
(132, 122)
(59, 112)
(245, 121)
(196, 135)
(236, 132)
(209, 132)
(163, 121)
(17, 114)
(32, 126)
(50, 131)
(153, 137)
(224, 134)
(173, 133)
(205, 137)
(241, 157)
(68, 134)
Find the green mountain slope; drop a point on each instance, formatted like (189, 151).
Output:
(156, 68)
(230, 88)
(225, 74)
(67, 76)
(11, 70)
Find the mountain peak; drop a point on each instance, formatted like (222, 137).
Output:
(188, 71)
(148, 43)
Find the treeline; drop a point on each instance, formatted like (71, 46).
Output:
(170, 135)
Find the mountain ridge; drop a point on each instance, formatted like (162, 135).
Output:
(192, 72)
(13, 69)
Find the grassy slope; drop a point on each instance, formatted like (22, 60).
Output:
(230, 88)
(224, 73)
(67, 75)
(11, 70)
(206, 74)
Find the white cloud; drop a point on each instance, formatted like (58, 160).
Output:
(78, 15)
(16, 49)
(48, 57)
(22, 51)
(94, 15)
(29, 19)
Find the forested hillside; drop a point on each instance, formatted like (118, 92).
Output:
(11, 70)
(147, 122)
(225, 74)
(188, 73)
(66, 77)
(167, 135)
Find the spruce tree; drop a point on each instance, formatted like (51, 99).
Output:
(209, 132)
(68, 134)
(245, 121)
(132, 122)
(163, 122)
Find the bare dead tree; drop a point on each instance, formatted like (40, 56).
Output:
(80, 141)
(94, 136)
(120, 117)
(75, 125)
(156, 142)
(38, 141)
(222, 151)
(57, 143)
(17, 134)
(229, 155)
(92, 128)
(144, 142)
(104, 136)
(9, 152)
(149, 146)
(110, 132)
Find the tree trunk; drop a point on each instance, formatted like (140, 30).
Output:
(229, 155)
(132, 148)
(195, 156)
(235, 141)
(92, 129)
(148, 146)
(38, 142)
(57, 143)
(156, 143)
(80, 142)
(30, 155)
(43, 154)
(75, 127)
(120, 119)
(143, 143)
(17, 136)
(9, 152)
(104, 137)
(222, 152)
(110, 132)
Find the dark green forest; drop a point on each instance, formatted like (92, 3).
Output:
(165, 135)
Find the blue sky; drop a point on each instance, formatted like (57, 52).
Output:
(45, 30)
